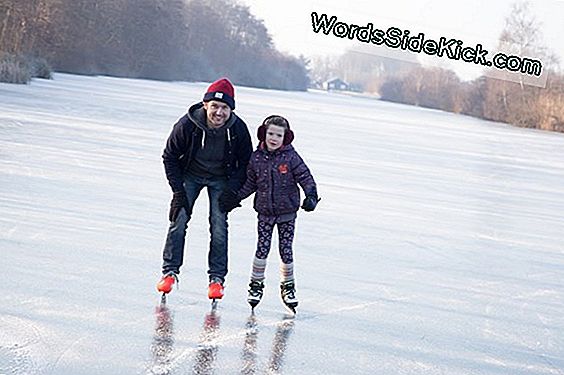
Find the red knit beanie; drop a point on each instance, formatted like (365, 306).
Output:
(221, 90)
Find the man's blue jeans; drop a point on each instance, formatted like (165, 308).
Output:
(173, 253)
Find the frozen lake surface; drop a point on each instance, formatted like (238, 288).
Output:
(437, 247)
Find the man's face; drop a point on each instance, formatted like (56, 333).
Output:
(217, 113)
(274, 137)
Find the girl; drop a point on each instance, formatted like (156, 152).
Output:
(274, 172)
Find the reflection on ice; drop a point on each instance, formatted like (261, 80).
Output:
(208, 346)
(163, 341)
(279, 345)
(249, 354)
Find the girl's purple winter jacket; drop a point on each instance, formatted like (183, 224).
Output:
(275, 177)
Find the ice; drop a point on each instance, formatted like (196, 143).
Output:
(437, 247)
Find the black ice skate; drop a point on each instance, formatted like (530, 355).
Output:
(288, 294)
(255, 292)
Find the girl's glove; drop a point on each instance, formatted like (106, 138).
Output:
(310, 201)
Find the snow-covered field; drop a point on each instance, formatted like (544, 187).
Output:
(437, 247)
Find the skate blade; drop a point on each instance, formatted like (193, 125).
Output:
(292, 307)
(163, 299)
(214, 304)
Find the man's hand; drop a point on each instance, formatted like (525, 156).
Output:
(178, 202)
(228, 200)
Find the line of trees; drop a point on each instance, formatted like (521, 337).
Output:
(156, 39)
(488, 98)
(493, 99)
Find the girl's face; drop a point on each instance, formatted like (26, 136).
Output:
(274, 137)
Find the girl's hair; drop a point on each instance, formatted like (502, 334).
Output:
(278, 121)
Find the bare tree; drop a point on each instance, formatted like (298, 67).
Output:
(522, 35)
(517, 103)
(23, 24)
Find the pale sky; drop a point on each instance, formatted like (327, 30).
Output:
(481, 21)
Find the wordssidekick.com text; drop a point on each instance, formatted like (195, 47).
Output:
(396, 38)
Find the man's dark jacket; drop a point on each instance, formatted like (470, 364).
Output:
(188, 134)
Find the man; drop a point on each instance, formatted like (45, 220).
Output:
(209, 147)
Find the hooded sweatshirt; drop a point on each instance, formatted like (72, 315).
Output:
(208, 158)
(187, 142)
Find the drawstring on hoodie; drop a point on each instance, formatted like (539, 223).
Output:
(204, 137)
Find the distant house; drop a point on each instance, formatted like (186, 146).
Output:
(336, 84)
